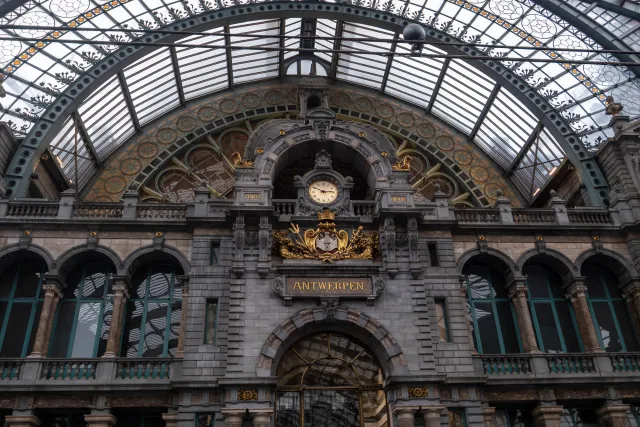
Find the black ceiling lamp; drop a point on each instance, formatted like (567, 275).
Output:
(415, 33)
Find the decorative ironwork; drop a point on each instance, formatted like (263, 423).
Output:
(325, 243)
(418, 392)
(239, 162)
(247, 394)
(402, 165)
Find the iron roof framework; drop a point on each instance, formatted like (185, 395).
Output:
(148, 84)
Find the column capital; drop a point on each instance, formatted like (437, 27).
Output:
(121, 286)
(547, 416)
(103, 420)
(261, 417)
(517, 290)
(432, 410)
(614, 414)
(487, 415)
(232, 417)
(52, 290)
(22, 421)
(631, 289)
(576, 288)
(170, 419)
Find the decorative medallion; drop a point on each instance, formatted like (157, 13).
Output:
(247, 394)
(418, 392)
(186, 123)
(228, 106)
(130, 166)
(115, 184)
(406, 119)
(292, 95)
(479, 173)
(463, 157)
(385, 110)
(251, 100)
(363, 104)
(147, 150)
(325, 243)
(341, 99)
(491, 190)
(207, 113)
(426, 130)
(273, 97)
(445, 143)
(166, 136)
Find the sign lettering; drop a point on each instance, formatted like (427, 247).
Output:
(252, 196)
(399, 199)
(298, 286)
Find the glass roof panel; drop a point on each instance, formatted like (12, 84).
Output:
(292, 29)
(249, 65)
(63, 147)
(152, 84)
(325, 28)
(462, 96)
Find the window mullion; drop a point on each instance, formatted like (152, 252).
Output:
(5, 321)
(536, 326)
(556, 318)
(476, 330)
(496, 321)
(99, 326)
(29, 331)
(145, 307)
(74, 325)
(514, 317)
(614, 315)
(595, 321)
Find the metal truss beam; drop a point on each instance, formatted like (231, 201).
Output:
(87, 139)
(337, 44)
(436, 88)
(176, 73)
(387, 70)
(281, 70)
(484, 112)
(523, 151)
(227, 41)
(129, 102)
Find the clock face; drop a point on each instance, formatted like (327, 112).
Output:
(323, 192)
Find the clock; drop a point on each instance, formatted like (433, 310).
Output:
(323, 192)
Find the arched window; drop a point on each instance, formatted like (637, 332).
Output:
(495, 330)
(21, 299)
(329, 379)
(608, 310)
(84, 314)
(152, 320)
(551, 312)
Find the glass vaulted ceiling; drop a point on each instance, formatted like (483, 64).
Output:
(35, 73)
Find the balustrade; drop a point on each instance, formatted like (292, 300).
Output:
(363, 208)
(594, 216)
(156, 369)
(284, 207)
(624, 362)
(30, 210)
(506, 364)
(534, 216)
(97, 210)
(571, 364)
(162, 211)
(69, 369)
(479, 216)
(10, 369)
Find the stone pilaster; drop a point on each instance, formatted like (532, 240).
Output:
(405, 415)
(632, 297)
(183, 315)
(614, 415)
(22, 421)
(262, 418)
(431, 415)
(52, 294)
(518, 296)
(463, 292)
(547, 416)
(101, 420)
(120, 295)
(170, 419)
(487, 416)
(577, 294)
(232, 417)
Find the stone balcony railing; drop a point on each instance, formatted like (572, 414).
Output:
(68, 209)
(543, 366)
(94, 372)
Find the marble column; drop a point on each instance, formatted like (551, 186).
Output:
(632, 296)
(518, 296)
(547, 416)
(232, 417)
(614, 415)
(577, 294)
(52, 294)
(431, 415)
(487, 416)
(170, 419)
(183, 315)
(100, 420)
(262, 418)
(120, 296)
(22, 421)
(405, 415)
(463, 292)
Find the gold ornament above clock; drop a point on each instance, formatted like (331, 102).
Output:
(323, 192)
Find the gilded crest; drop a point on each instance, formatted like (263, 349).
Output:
(325, 242)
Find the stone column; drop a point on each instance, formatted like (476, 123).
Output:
(52, 294)
(547, 416)
(518, 296)
(100, 420)
(431, 415)
(22, 421)
(405, 415)
(632, 296)
(463, 292)
(183, 315)
(170, 419)
(614, 415)
(487, 416)
(120, 295)
(232, 417)
(577, 294)
(262, 418)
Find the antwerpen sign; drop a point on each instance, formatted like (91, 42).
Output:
(329, 287)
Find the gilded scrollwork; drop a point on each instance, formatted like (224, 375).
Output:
(325, 243)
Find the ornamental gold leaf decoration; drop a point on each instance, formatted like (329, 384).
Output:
(325, 243)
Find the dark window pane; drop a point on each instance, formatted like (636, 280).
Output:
(17, 330)
(628, 333)
(34, 327)
(27, 286)
(160, 281)
(104, 328)
(6, 281)
(547, 327)
(3, 311)
(62, 332)
(607, 326)
(441, 318)
(594, 281)
(457, 418)
(139, 283)
(319, 408)
(536, 281)
(174, 330)
(586, 417)
(480, 288)
(210, 326)
(487, 328)
(288, 414)
(132, 328)
(568, 330)
(86, 330)
(508, 327)
(206, 420)
(154, 330)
